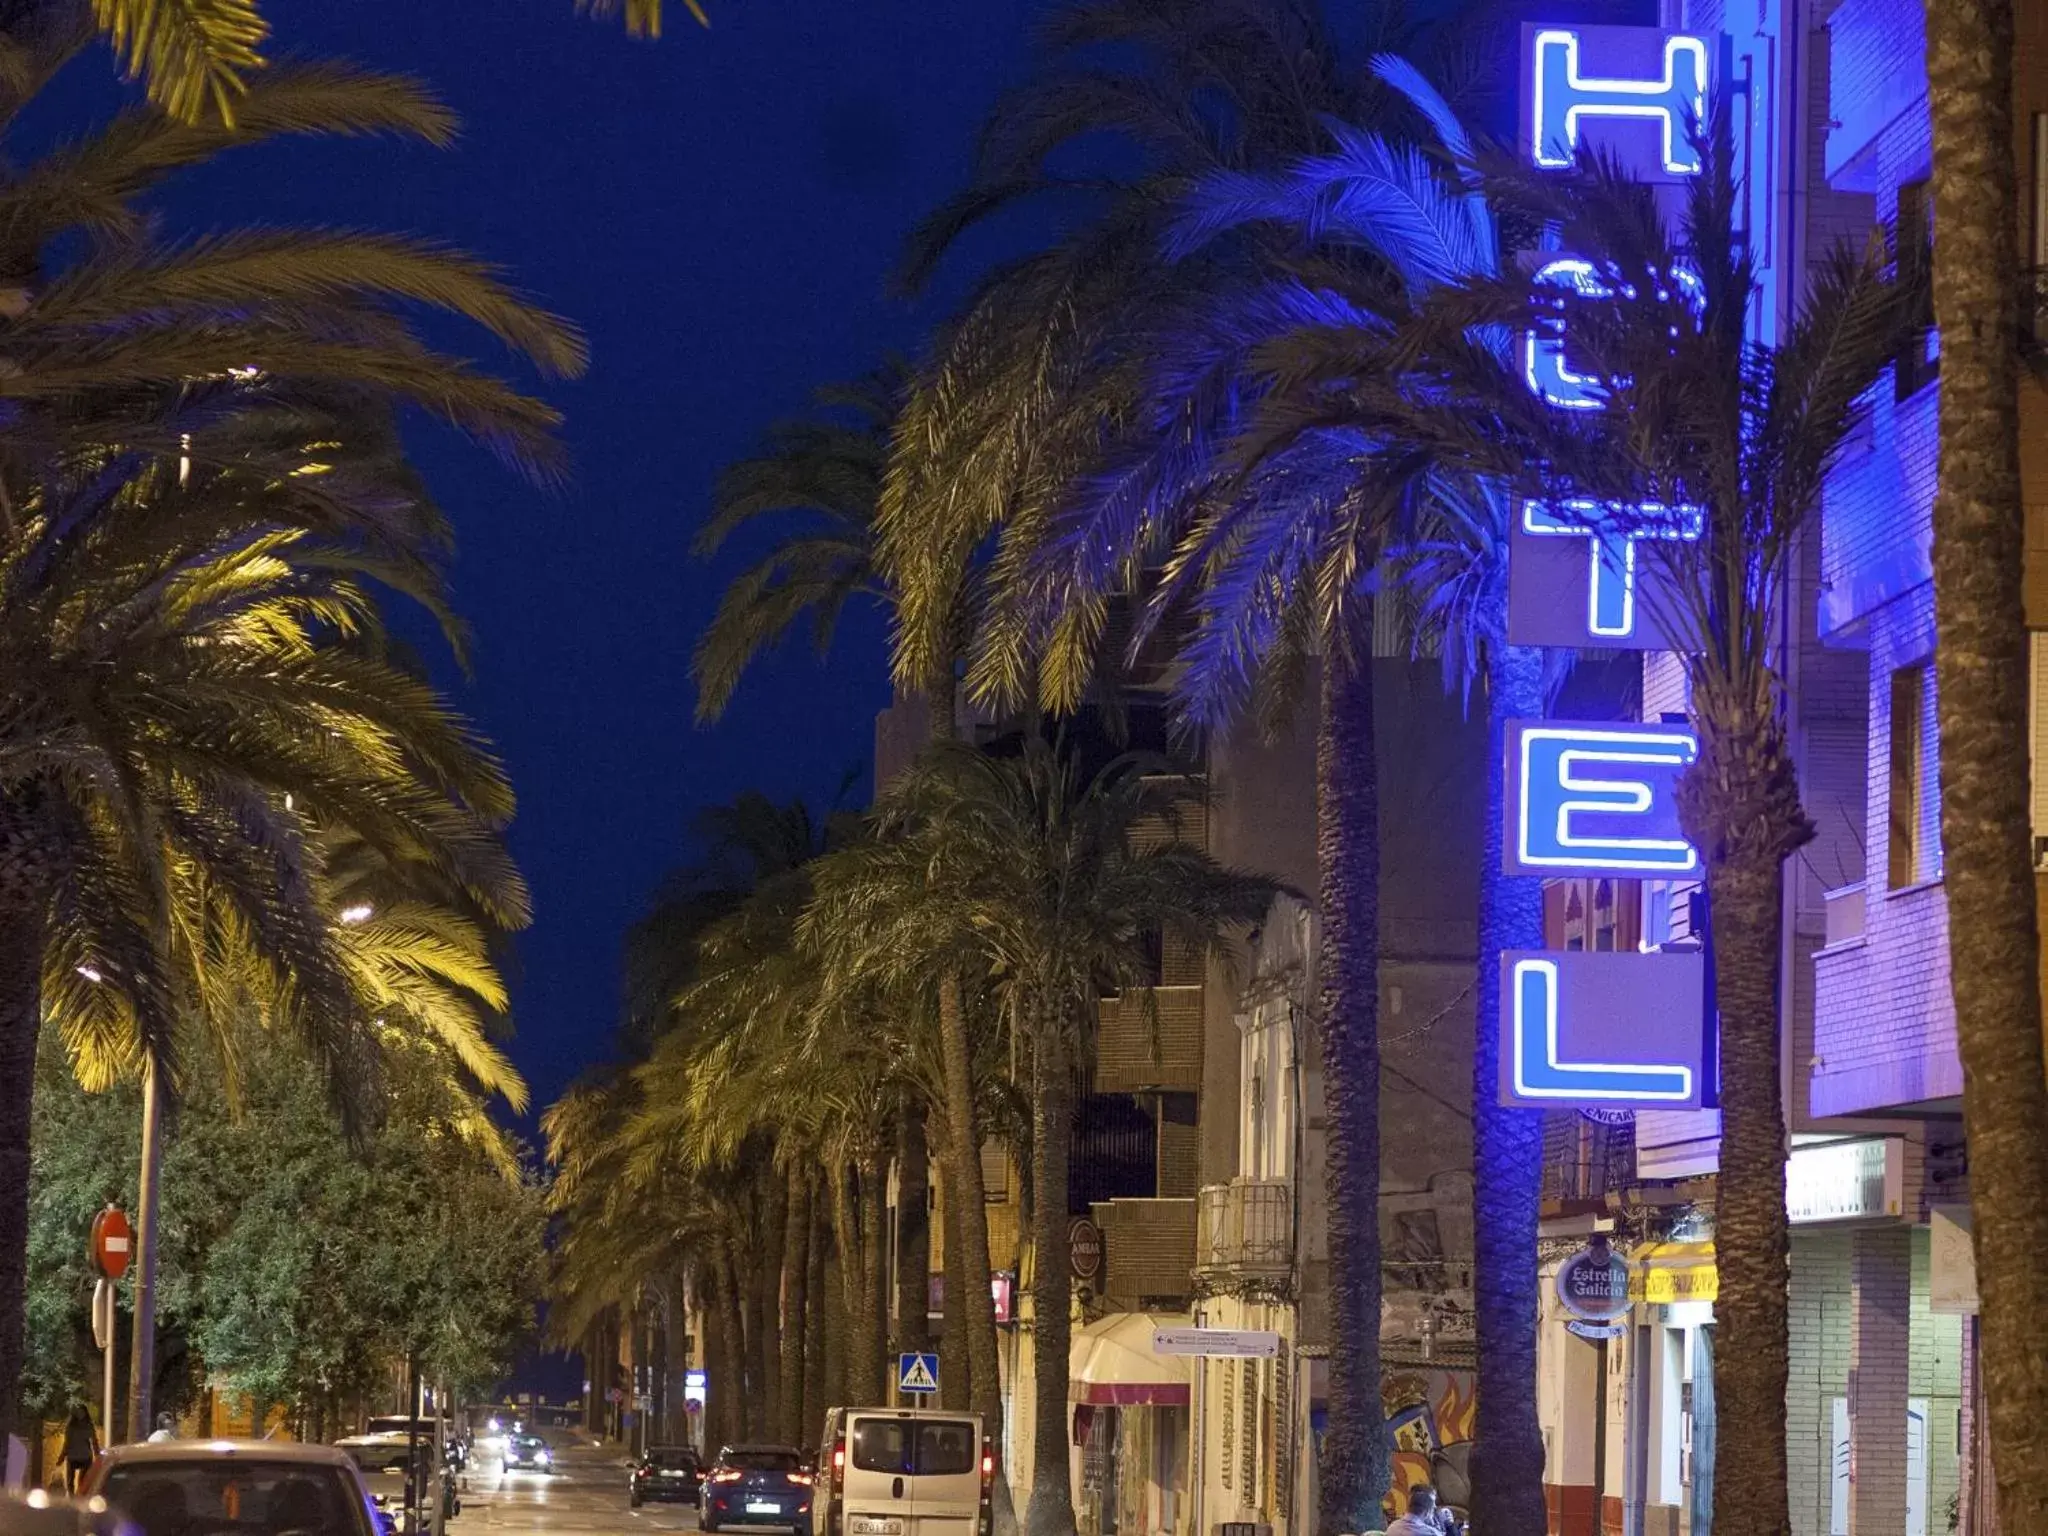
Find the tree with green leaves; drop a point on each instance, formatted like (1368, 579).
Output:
(200, 491)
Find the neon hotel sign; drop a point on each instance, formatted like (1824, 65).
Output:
(1609, 1030)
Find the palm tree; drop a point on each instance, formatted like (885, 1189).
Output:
(1037, 868)
(119, 338)
(198, 60)
(1358, 213)
(1980, 660)
(197, 686)
(828, 470)
(1746, 433)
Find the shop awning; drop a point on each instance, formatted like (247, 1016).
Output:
(1674, 1272)
(1111, 1364)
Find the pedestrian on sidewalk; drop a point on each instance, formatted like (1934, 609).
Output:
(1423, 1517)
(81, 1445)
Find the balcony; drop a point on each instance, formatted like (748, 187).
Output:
(1246, 1233)
(1846, 908)
(1876, 72)
(1148, 1250)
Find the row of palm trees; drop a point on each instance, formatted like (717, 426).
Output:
(829, 1001)
(1260, 383)
(227, 792)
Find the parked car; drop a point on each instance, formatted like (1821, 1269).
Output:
(528, 1453)
(382, 1444)
(757, 1485)
(667, 1473)
(249, 1487)
(38, 1513)
(904, 1472)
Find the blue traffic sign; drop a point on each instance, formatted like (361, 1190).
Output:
(917, 1373)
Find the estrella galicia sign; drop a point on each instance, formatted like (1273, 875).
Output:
(1603, 1030)
(1597, 799)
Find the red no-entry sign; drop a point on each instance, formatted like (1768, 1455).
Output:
(113, 1242)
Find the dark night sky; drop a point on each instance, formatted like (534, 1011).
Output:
(720, 211)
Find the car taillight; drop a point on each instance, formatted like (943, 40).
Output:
(987, 1522)
(804, 1478)
(727, 1475)
(839, 1466)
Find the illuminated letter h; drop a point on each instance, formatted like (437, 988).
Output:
(1564, 98)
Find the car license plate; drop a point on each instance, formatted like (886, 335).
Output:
(866, 1525)
(763, 1507)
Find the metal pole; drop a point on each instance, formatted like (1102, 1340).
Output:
(142, 1364)
(104, 1298)
(413, 1491)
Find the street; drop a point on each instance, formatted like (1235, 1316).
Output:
(587, 1493)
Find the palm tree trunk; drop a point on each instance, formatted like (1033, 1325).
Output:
(967, 1220)
(1354, 1465)
(1739, 805)
(1507, 1155)
(142, 1369)
(913, 1227)
(818, 1295)
(21, 973)
(727, 1283)
(1051, 1509)
(956, 1375)
(874, 1286)
(1981, 692)
(767, 1341)
(793, 1427)
(838, 1323)
(1752, 1241)
(863, 1321)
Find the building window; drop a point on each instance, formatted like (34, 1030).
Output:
(1919, 361)
(1908, 859)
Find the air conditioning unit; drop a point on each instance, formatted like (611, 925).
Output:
(1241, 1528)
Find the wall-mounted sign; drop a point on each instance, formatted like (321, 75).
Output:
(1580, 573)
(1587, 799)
(1952, 1262)
(1592, 1285)
(1084, 1248)
(1634, 93)
(1846, 1180)
(1235, 1343)
(1603, 1030)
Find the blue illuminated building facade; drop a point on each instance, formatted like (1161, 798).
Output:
(1830, 105)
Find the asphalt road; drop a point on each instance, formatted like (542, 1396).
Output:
(585, 1494)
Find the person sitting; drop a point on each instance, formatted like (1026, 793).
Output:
(1423, 1517)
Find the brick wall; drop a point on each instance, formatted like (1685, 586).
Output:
(1884, 1026)
(1823, 1340)
(1880, 1365)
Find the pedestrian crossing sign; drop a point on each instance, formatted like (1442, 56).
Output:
(917, 1373)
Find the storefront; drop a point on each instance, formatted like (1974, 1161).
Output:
(1130, 1410)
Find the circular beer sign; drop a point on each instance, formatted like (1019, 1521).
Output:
(1593, 1286)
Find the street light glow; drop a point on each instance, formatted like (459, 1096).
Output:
(361, 912)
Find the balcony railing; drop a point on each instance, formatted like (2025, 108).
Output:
(1246, 1230)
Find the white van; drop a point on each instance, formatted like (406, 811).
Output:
(903, 1472)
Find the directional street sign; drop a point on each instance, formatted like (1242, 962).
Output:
(917, 1373)
(1244, 1343)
